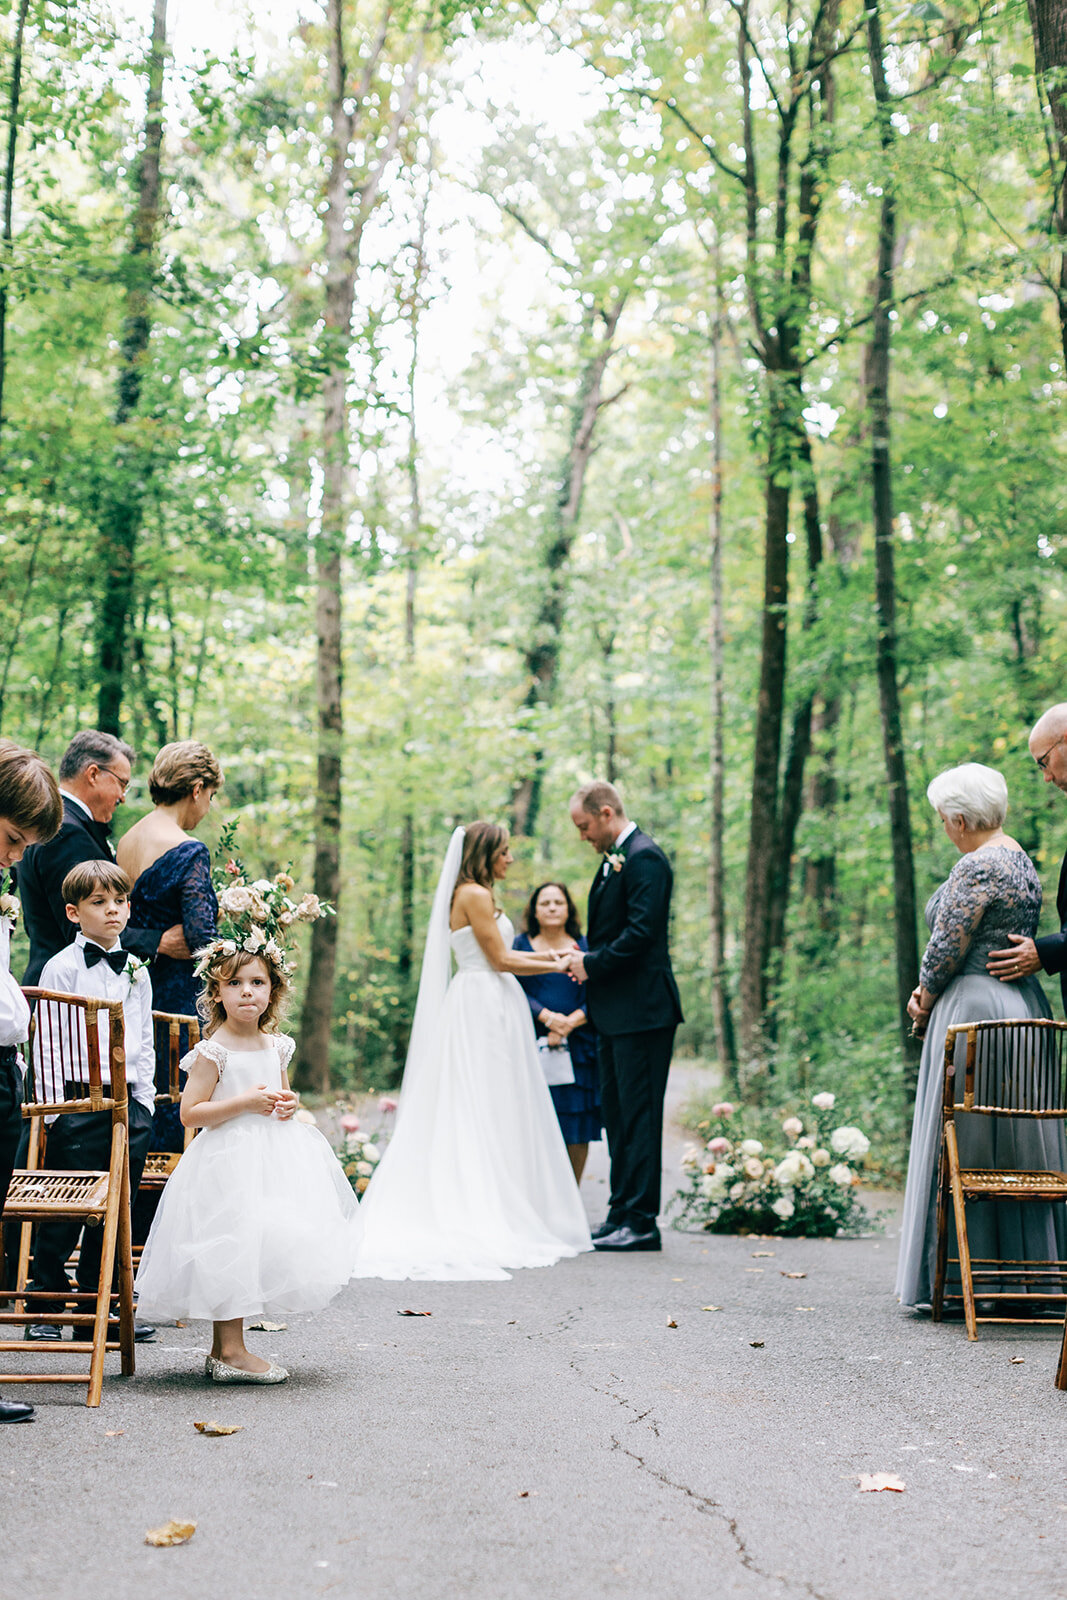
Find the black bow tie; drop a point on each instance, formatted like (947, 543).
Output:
(116, 959)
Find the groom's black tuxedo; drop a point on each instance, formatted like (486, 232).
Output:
(632, 1001)
(39, 878)
(1052, 949)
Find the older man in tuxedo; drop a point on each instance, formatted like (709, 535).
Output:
(632, 1001)
(94, 775)
(1048, 746)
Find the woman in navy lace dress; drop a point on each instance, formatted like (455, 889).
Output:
(558, 1006)
(171, 873)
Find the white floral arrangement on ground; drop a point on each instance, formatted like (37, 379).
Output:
(806, 1187)
(359, 1154)
(256, 915)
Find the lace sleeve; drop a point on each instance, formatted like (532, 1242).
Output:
(968, 892)
(286, 1049)
(200, 907)
(213, 1052)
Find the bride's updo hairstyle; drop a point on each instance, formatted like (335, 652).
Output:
(482, 843)
(221, 966)
(977, 794)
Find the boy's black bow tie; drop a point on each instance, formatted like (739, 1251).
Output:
(116, 959)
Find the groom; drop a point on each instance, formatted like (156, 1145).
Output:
(632, 1001)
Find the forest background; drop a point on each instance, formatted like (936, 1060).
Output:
(432, 406)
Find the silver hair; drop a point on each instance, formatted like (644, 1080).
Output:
(92, 748)
(977, 794)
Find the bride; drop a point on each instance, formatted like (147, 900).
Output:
(476, 1178)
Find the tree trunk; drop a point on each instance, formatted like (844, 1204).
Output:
(121, 519)
(542, 655)
(1048, 20)
(14, 96)
(313, 1050)
(725, 1047)
(877, 384)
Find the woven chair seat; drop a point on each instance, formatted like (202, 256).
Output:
(158, 1166)
(978, 1184)
(34, 1195)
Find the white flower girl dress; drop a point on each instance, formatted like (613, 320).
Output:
(258, 1217)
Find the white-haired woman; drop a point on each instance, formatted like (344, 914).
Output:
(991, 892)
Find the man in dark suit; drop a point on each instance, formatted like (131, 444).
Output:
(93, 778)
(632, 1001)
(1048, 746)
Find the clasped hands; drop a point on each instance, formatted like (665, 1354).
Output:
(572, 962)
(278, 1103)
(559, 1026)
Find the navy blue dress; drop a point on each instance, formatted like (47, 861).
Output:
(175, 888)
(577, 1104)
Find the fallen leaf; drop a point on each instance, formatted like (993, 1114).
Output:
(870, 1482)
(757, 1344)
(181, 1324)
(804, 1308)
(217, 1430)
(414, 1313)
(269, 1327)
(671, 1322)
(523, 1494)
(114, 1433)
(753, 1269)
(711, 1308)
(171, 1533)
(1017, 1361)
(794, 1274)
(757, 1254)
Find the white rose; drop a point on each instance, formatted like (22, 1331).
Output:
(372, 1153)
(823, 1102)
(737, 1191)
(364, 1168)
(712, 1184)
(807, 1143)
(304, 1115)
(236, 899)
(254, 941)
(840, 1174)
(754, 1168)
(849, 1142)
(792, 1127)
(264, 885)
(820, 1158)
(793, 1169)
(724, 1172)
(750, 1147)
(691, 1155)
(783, 1208)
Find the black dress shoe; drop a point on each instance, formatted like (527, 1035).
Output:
(604, 1229)
(43, 1332)
(15, 1411)
(625, 1238)
(142, 1332)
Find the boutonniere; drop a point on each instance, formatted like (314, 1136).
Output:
(136, 969)
(10, 905)
(614, 859)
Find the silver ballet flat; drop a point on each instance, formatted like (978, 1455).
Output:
(219, 1372)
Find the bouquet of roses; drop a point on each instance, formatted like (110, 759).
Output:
(808, 1187)
(257, 915)
(358, 1155)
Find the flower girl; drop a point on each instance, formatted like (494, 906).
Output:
(257, 1217)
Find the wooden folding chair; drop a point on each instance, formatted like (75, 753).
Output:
(63, 1063)
(159, 1164)
(1012, 1069)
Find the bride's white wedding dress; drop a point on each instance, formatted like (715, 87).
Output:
(476, 1178)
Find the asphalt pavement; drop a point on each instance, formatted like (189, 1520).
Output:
(684, 1425)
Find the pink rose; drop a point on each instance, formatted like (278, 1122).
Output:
(386, 1104)
(723, 1109)
(719, 1146)
(350, 1124)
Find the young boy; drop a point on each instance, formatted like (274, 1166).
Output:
(97, 897)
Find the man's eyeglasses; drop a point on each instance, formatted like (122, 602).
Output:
(1042, 761)
(124, 783)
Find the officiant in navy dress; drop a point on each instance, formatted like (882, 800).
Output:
(560, 1018)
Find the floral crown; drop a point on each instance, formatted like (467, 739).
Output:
(255, 918)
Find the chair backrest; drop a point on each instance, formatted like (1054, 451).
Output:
(175, 1035)
(75, 1055)
(1007, 1068)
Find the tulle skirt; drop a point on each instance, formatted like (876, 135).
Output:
(476, 1179)
(256, 1219)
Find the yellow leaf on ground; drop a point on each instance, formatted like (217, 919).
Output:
(217, 1430)
(871, 1482)
(114, 1433)
(794, 1274)
(171, 1533)
(711, 1308)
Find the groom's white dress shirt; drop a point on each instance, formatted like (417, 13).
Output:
(67, 973)
(631, 827)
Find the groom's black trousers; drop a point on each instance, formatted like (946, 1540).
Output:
(633, 1081)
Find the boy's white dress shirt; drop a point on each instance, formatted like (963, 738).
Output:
(67, 973)
(14, 1011)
